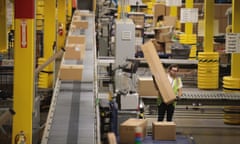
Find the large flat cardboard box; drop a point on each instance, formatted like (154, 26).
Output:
(158, 71)
(145, 87)
(128, 128)
(76, 18)
(76, 39)
(164, 130)
(74, 52)
(71, 72)
(80, 24)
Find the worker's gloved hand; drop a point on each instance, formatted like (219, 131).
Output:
(177, 98)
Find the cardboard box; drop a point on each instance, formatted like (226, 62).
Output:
(159, 46)
(168, 47)
(164, 131)
(128, 128)
(80, 24)
(163, 34)
(71, 72)
(157, 69)
(73, 39)
(72, 52)
(146, 87)
(158, 9)
(170, 21)
(76, 18)
(76, 52)
(138, 18)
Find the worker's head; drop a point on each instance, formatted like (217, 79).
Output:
(173, 69)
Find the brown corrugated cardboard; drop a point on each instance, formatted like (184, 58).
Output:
(71, 72)
(80, 24)
(158, 9)
(157, 69)
(170, 21)
(76, 52)
(163, 34)
(79, 39)
(146, 87)
(72, 52)
(164, 131)
(128, 127)
(168, 47)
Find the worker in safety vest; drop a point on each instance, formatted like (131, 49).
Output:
(177, 85)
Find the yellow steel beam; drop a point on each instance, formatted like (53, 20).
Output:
(235, 70)
(189, 26)
(24, 66)
(208, 25)
(61, 14)
(208, 65)
(23, 78)
(69, 9)
(3, 26)
(49, 39)
(232, 83)
(173, 11)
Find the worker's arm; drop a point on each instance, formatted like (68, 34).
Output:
(179, 92)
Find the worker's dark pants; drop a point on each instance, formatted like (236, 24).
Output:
(162, 108)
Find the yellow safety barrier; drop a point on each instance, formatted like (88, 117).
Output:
(193, 52)
(232, 115)
(43, 76)
(231, 84)
(188, 38)
(208, 67)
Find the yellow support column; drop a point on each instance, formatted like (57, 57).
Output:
(174, 12)
(69, 11)
(189, 37)
(232, 82)
(46, 77)
(3, 26)
(208, 65)
(24, 66)
(61, 14)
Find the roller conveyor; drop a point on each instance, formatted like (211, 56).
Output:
(72, 117)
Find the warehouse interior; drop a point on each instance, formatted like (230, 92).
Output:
(81, 72)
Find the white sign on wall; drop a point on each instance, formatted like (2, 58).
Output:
(173, 3)
(189, 15)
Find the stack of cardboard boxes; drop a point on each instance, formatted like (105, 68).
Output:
(220, 22)
(160, 130)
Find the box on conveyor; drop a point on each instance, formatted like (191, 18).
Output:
(128, 130)
(164, 130)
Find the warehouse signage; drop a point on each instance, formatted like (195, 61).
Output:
(189, 15)
(23, 35)
(174, 3)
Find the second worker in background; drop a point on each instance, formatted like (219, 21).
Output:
(177, 85)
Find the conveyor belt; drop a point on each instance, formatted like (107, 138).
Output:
(72, 117)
